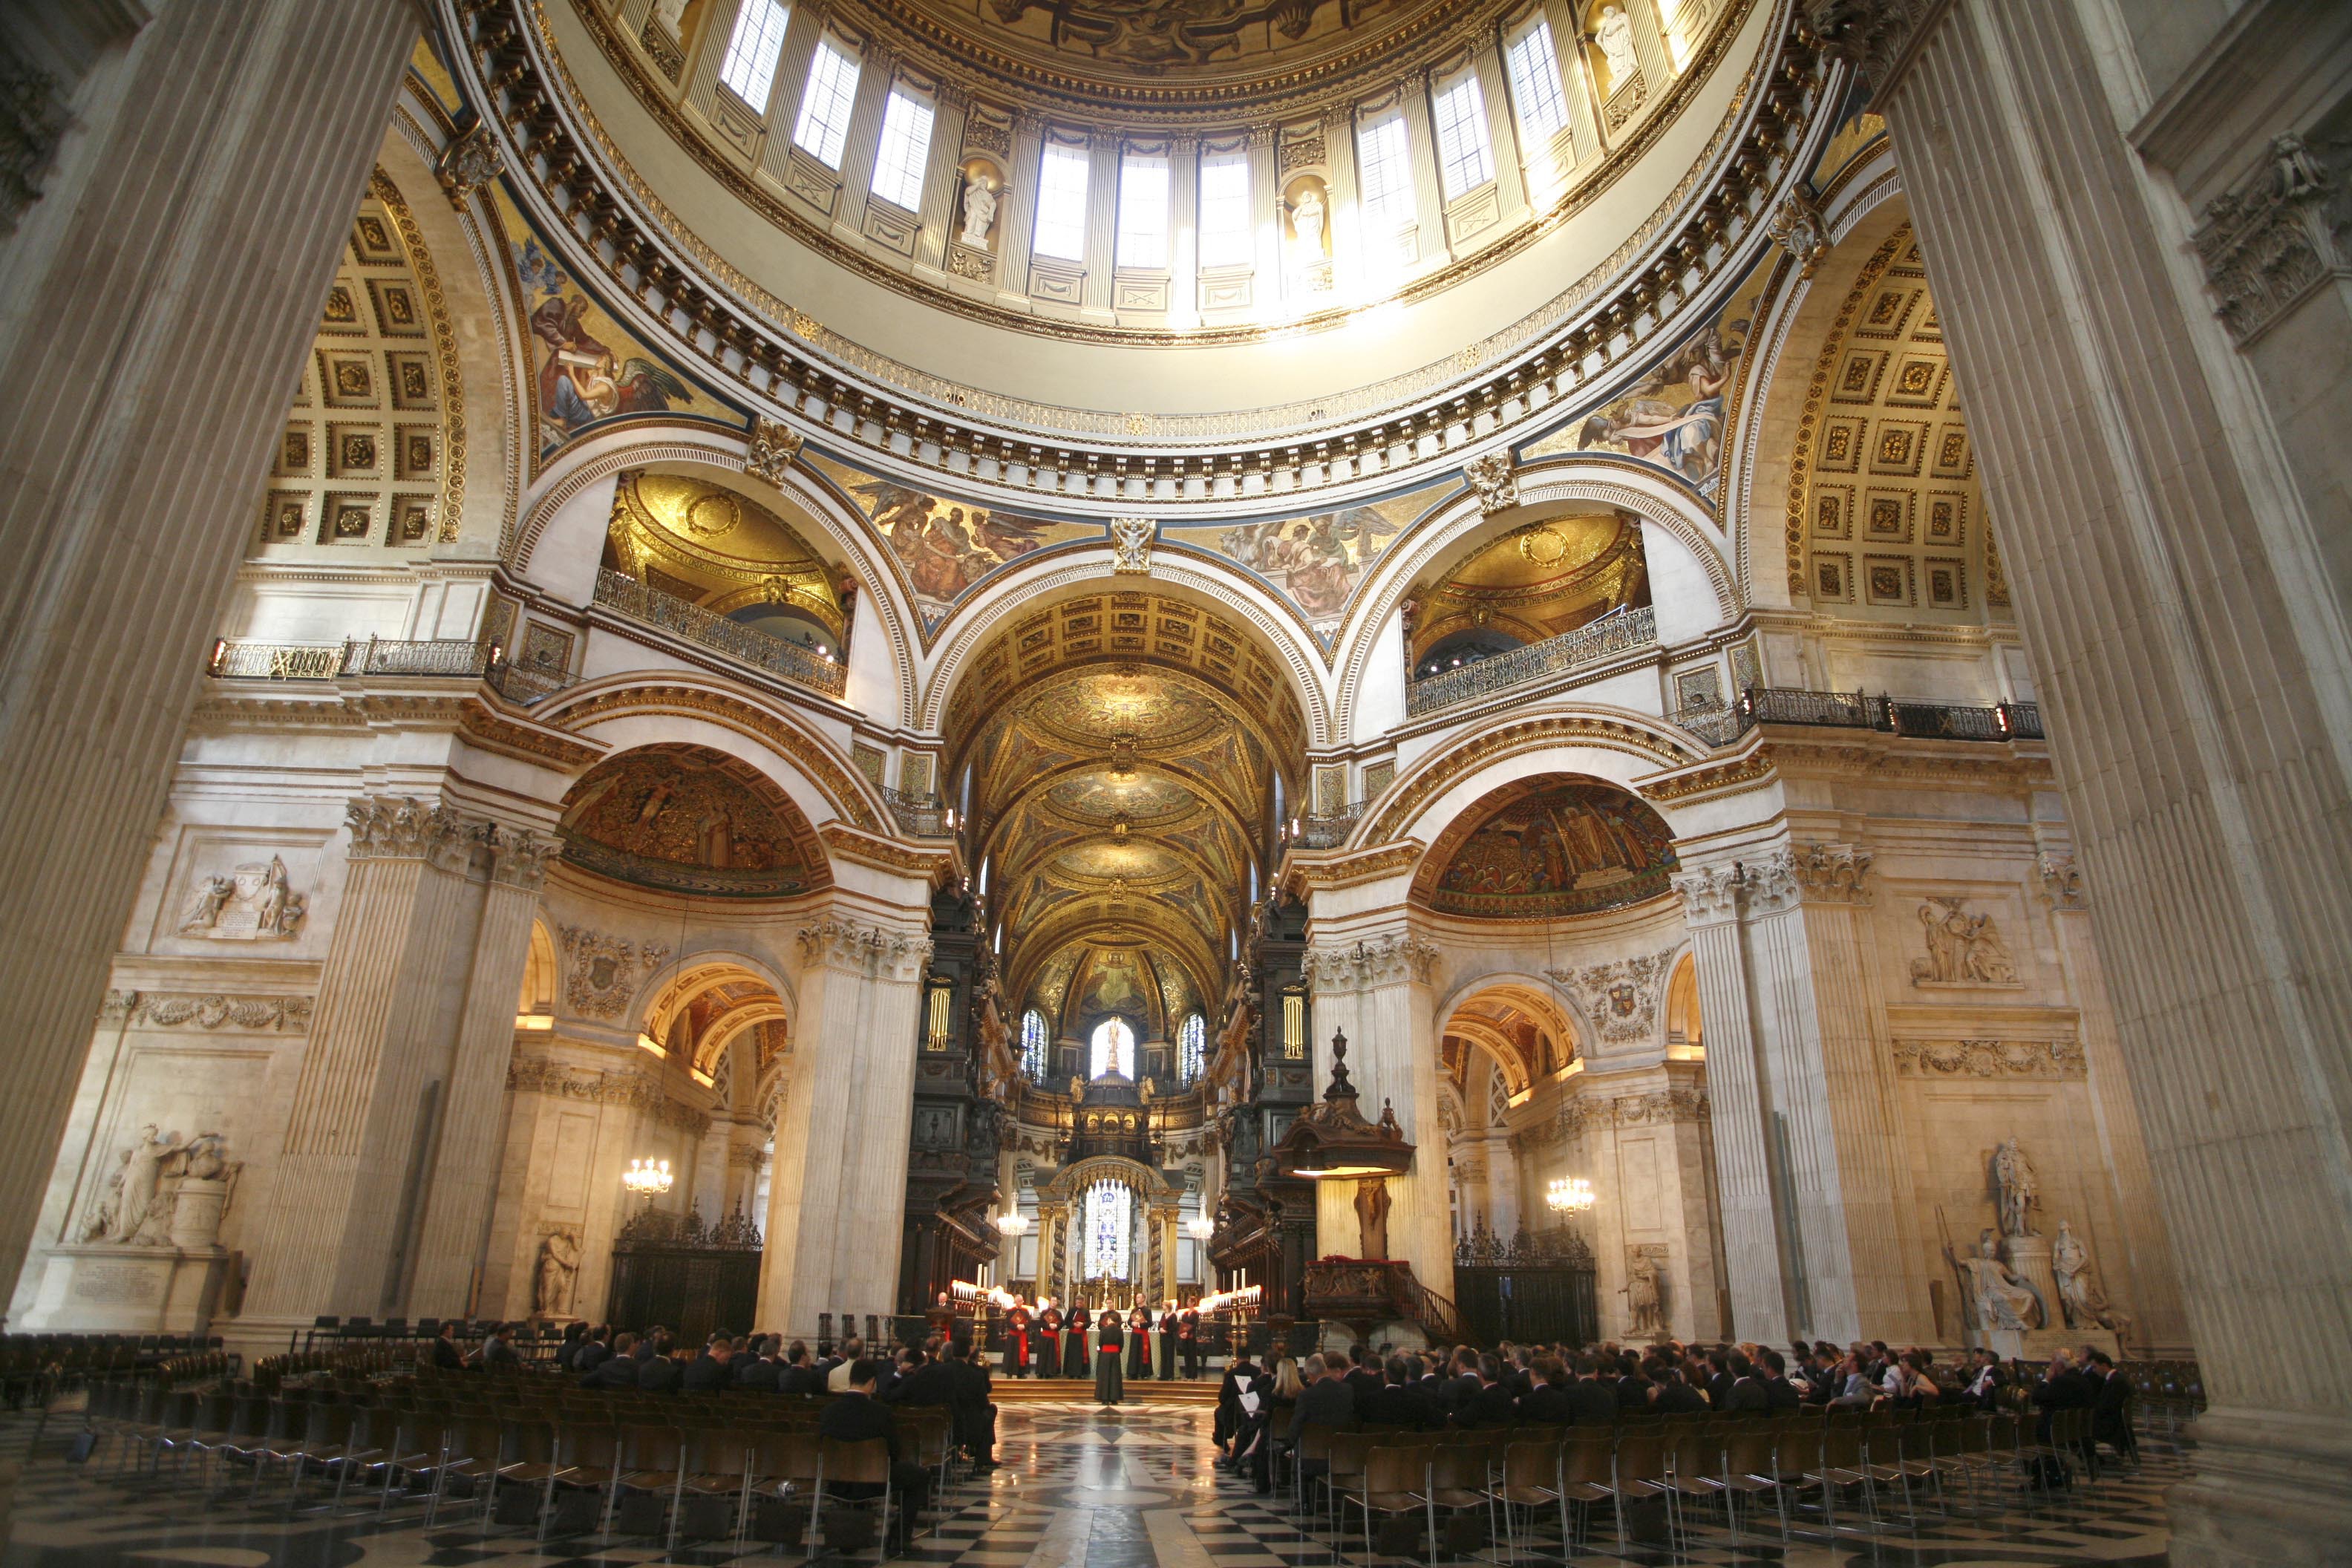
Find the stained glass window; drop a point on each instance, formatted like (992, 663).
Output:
(1033, 1045)
(1192, 1049)
(1114, 1049)
(1109, 1234)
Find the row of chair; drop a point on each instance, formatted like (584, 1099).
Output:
(1683, 1462)
(626, 1466)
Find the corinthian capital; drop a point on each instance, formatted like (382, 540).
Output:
(1872, 36)
(523, 857)
(402, 827)
(1390, 959)
(1832, 873)
(1709, 894)
(870, 951)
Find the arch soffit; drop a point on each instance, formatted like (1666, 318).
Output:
(1213, 587)
(1470, 988)
(1615, 746)
(799, 491)
(1227, 811)
(1794, 304)
(1601, 477)
(678, 983)
(620, 711)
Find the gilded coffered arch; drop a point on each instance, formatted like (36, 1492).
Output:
(684, 818)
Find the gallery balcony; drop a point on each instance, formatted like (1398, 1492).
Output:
(1614, 636)
(1762, 705)
(433, 658)
(804, 667)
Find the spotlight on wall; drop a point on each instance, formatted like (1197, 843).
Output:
(1569, 1196)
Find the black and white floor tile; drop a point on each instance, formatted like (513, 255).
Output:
(1076, 1487)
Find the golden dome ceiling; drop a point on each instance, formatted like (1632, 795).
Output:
(1539, 579)
(715, 547)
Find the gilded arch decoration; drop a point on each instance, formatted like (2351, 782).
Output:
(1632, 734)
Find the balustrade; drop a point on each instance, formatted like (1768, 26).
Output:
(801, 665)
(1620, 632)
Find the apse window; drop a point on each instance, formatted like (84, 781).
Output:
(1032, 1045)
(753, 50)
(1112, 1050)
(905, 144)
(1110, 1233)
(824, 125)
(1143, 210)
(1192, 1049)
(1388, 181)
(1061, 204)
(1534, 83)
(1225, 210)
(1465, 157)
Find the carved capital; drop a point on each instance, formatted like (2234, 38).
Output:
(862, 950)
(1770, 885)
(1709, 893)
(402, 827)
(1390, 959)
(1832, 873)
(1874, 37)
(523, 857)
(2281, 233)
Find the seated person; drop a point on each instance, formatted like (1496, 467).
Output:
(857, 1416)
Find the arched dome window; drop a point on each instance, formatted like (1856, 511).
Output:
(1192, 1049)
(1110, 1234)
(1113, 1050)
(1033, 1045)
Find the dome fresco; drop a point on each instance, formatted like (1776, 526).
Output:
(1553, 847)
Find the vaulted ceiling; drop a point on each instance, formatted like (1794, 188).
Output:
(1119, 795)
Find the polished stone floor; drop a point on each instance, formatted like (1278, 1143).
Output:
(1076, 1488)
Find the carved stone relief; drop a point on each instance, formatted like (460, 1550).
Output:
(1494, 481)
(1130, 544)
(1990, 1058)
(1962, 949)
(165, 1193)
(602, 971)
(204, 1010)
(251, 903)
(1621, 998)
(772, 447)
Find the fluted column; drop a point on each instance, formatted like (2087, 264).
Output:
(343, 1198)
(160, 298)
(456, 1232)
(874, 1141)
(2171, 559)
(1377, 989)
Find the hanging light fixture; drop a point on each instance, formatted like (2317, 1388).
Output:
(1569, 1195)
(648, 1178)
(1200, 1227)
(1013, 1226)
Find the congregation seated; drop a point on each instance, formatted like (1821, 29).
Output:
(618, 1370)
(857, 1417)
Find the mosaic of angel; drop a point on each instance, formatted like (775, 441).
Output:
(945, 549)
(1675, 414)
(580, 380)
(1317, 560)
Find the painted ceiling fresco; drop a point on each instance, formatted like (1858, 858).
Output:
(1538, 580)
(686, 819)
(1316, 563)
(587, 369)
(942, 548)
(1111, 40)
(1549, 846)
(1675, 415)
(712, 546)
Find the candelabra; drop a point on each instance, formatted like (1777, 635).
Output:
(649, 1179)
(1569, 1196)
(1200, 1227)
(1013, 1226)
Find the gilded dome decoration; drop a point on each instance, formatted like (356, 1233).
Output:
(692, 539)
(1540, 580)
(1549, 846)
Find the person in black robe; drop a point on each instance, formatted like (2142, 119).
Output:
(1048, 1354)
(1163, 1344)
(1138, 1343)
(1109, 1353)
(1187, 1341)
(1074, 1344)
(1017, 1342)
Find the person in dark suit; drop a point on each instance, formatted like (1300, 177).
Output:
(799, 1375)
(1491, 1407)
(1546, 1404)
(1187, 1341)
(1461, 1385)
(595, 1351)
(857, 1417)
(927, 1381)
(760, 1370)
(1779, 1394)
(1388, 1401)
(709, 1371)
(446, 1356)
(618, 1370)
(661, 1374)
(499, 1349)
(1325, 1401)
(654, 1342)
(975, 1413)
(1593, 1397)
(2111, 1411)
(2063, 1388)
(1675, 1395)
(1362, 1376)
(1241, 1372)
(1518, 1373)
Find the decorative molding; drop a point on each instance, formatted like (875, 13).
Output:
(1619, 998)
(1801, 230)
(1390, 959)
(629, 1090)
(523, 857)
(1990, 1058)
(839, 784)
(1579, 1114)
(2062, 883)
(1834, 873)
(1460, 762)
(1878, 37)
(772, 450)
(210, 1010)
(470, 162)
(2281, 233)
(1495, 479)
(445, 354)
(602, 971)
(1130, 544)
(1346, 870)
(884, 854)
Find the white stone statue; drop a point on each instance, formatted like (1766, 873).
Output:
(673, 16)
(2002, 1298)
(1306, 222)
(2012, 1173)
(1962, 948)
(142, 1176)
(251, 902)
(979, 209)
(1614, 34)
(2079, 1296)
(559, 1271)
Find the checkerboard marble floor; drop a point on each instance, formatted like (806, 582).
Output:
(1076, 1487)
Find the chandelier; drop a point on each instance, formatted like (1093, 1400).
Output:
(648, 1178)
(1569, 1196)
(1014, 1226)
(1200, 1227)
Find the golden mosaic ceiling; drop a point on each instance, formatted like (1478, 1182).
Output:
(1885, 512)
(687, 819)
(1539, 579)
(1120, 801)
(699, 540)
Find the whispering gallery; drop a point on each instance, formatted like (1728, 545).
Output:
(1176, 783)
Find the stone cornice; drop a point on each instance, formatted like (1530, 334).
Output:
(1879, 38)
(884, 854)
(872, 952)
(629, 1090)
(1312, 870)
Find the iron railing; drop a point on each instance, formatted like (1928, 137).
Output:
(1620, 632)
(436, 659)
(801, 665)
(1859, 710)
(1331, 829)
(919, 816)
